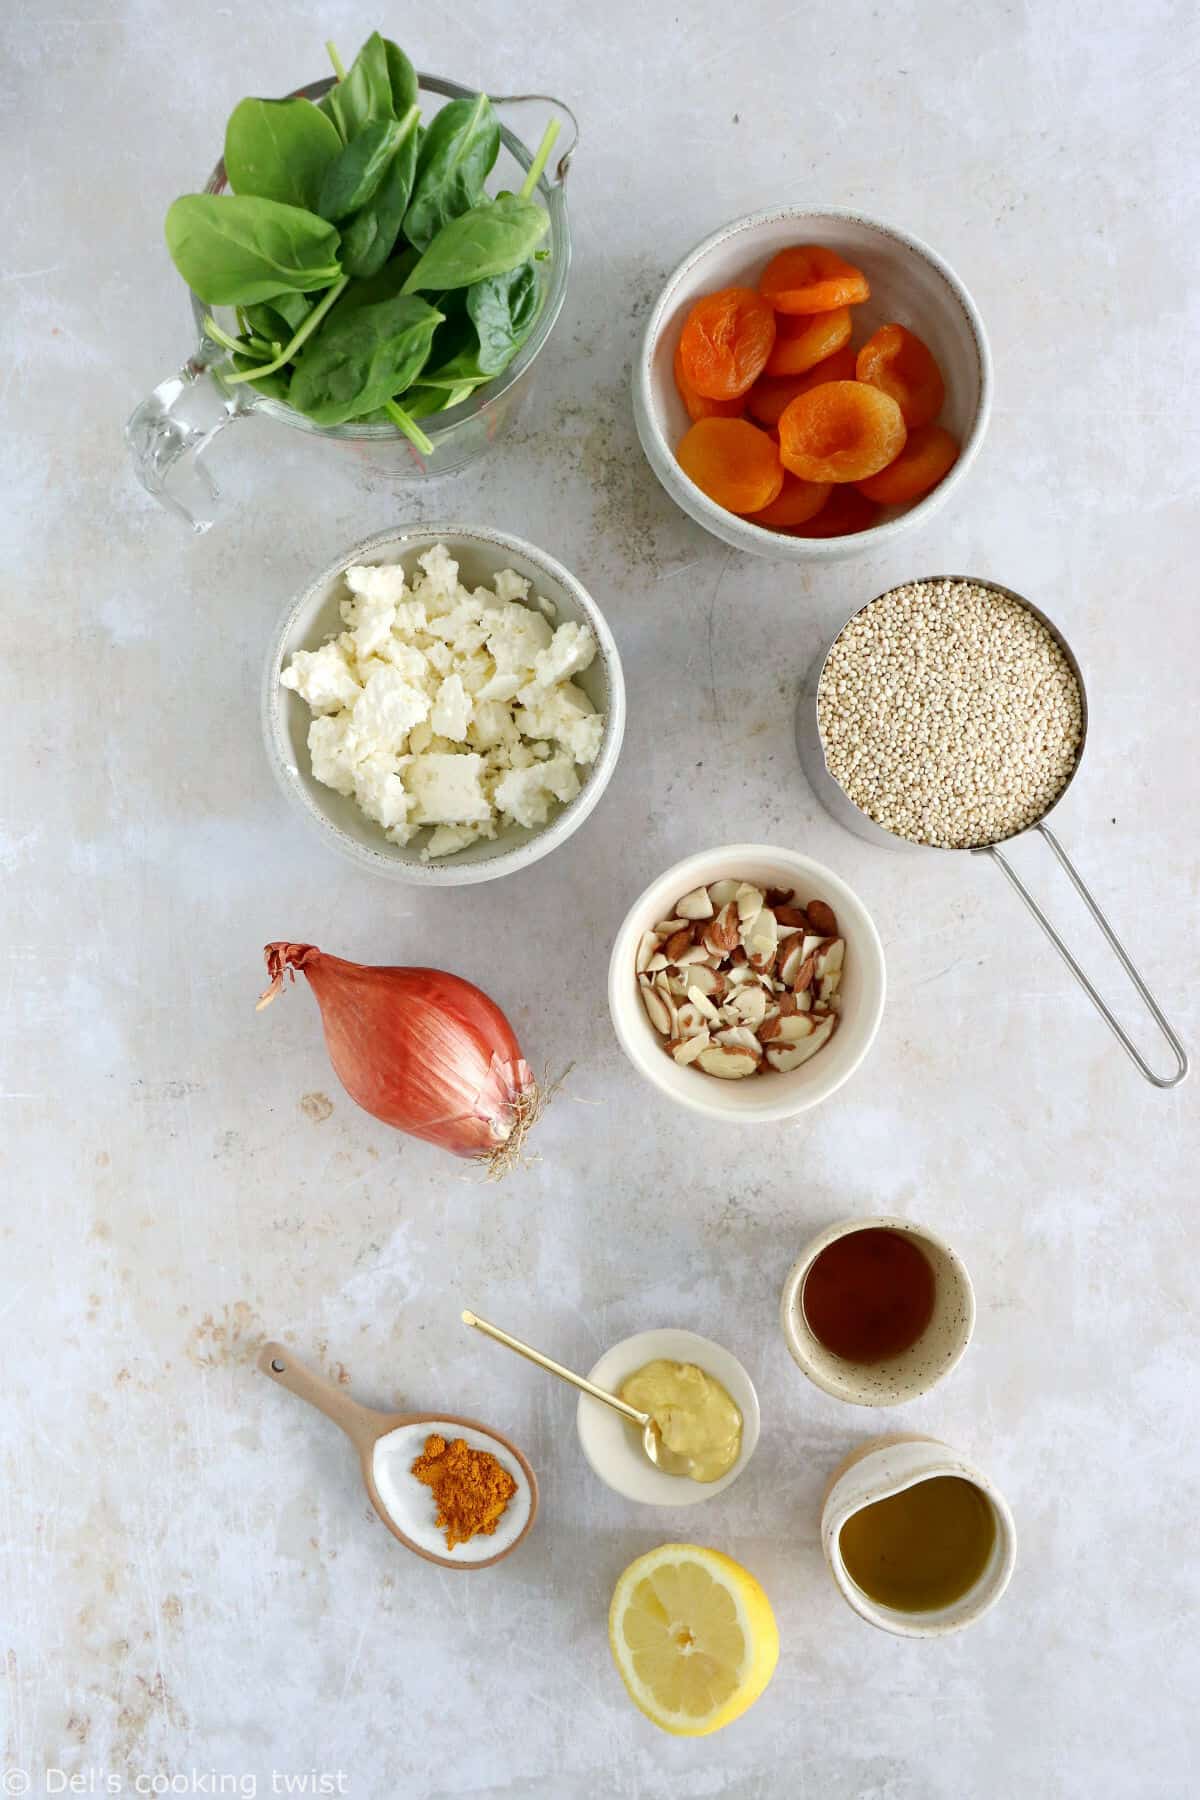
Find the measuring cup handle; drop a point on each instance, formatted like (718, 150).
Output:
(170, 431)
(1130, 1049)
(360, 1424)
(562, 162)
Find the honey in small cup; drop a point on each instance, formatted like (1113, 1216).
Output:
(877, 1310)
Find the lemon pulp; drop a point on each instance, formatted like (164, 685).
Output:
(693, 1636)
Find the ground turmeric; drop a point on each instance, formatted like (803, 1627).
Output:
(471, 1488)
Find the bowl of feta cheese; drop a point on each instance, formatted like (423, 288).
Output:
(444, 704)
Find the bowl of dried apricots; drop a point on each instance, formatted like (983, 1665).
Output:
(811, 382)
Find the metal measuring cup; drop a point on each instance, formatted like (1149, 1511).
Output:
(838, 803)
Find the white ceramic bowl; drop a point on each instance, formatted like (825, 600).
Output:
(910, 284)
(760, 1097)
(916, 1370)
(314, 616)
(613, 1447)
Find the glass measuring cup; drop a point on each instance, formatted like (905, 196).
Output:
(838, 803)
(170, 431)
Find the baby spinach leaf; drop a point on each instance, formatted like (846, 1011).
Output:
(362, 358)
(420, 401)
(278, 317)
(369, 238)
(504, 310)
(233, 249)
(459, 148)
(489, 240)
(500, 314)
(365, 93)
(384, 285)
(279, 150)
(403, 78)
(357, 170)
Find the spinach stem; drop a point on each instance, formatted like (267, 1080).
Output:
(289, 350)
(540, 160)
(220, 336)
(408, 426)
(339, 67)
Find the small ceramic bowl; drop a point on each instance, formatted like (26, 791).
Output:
(612, 1446)
(887, 1466)
(910, 284)
(918, 1369)
(313, 617)
(759, 1098)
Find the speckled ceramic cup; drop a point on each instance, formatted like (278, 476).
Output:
(916, 1369)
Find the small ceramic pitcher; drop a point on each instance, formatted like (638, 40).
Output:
(887, 1466)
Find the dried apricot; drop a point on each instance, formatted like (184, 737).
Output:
(699, 406)
(726, 340)
(840, 431)
(733, 462)
(771, 393)
(838, 367)
(810, 279)
(895, 360)
(796, 502)
(929, 453)
(846, 511)
(804, 341)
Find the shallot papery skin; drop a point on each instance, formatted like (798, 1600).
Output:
(420, 1049)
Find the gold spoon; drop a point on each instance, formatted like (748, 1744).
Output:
(652, 1443)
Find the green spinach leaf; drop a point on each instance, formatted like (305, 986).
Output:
(279, 317)
(364, 95)
(356, 172)
(489, 240)
(403, 78)
(279, 150)
(460, 147)
(233, 249)
(369, 238)
(362, 358)
(504, 310)
(384, 285)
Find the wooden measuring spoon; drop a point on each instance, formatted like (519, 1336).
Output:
(364, 1426)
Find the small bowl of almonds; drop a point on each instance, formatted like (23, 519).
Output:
(747, 982)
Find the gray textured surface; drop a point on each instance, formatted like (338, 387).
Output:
(191, 1580)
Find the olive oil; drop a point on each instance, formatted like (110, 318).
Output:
(923, 1548)
(869, 1295)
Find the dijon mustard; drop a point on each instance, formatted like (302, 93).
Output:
(696, 1418)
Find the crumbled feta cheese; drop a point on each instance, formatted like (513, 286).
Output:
(446, 839)
(446, 789)
(322, 677)
(437, 706)
(451, 713)
(492, 724)
(377, 581)
(511, 586)
(526, 794)
(332, 756)
(387, 710)
(380, 791)
(572, 649)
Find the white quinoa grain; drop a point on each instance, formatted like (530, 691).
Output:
(949, 714)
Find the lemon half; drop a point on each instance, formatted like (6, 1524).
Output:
(693, 1636)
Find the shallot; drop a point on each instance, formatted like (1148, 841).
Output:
(422, 1050)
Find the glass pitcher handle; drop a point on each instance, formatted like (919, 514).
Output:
(171, 430)
(560, 162)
